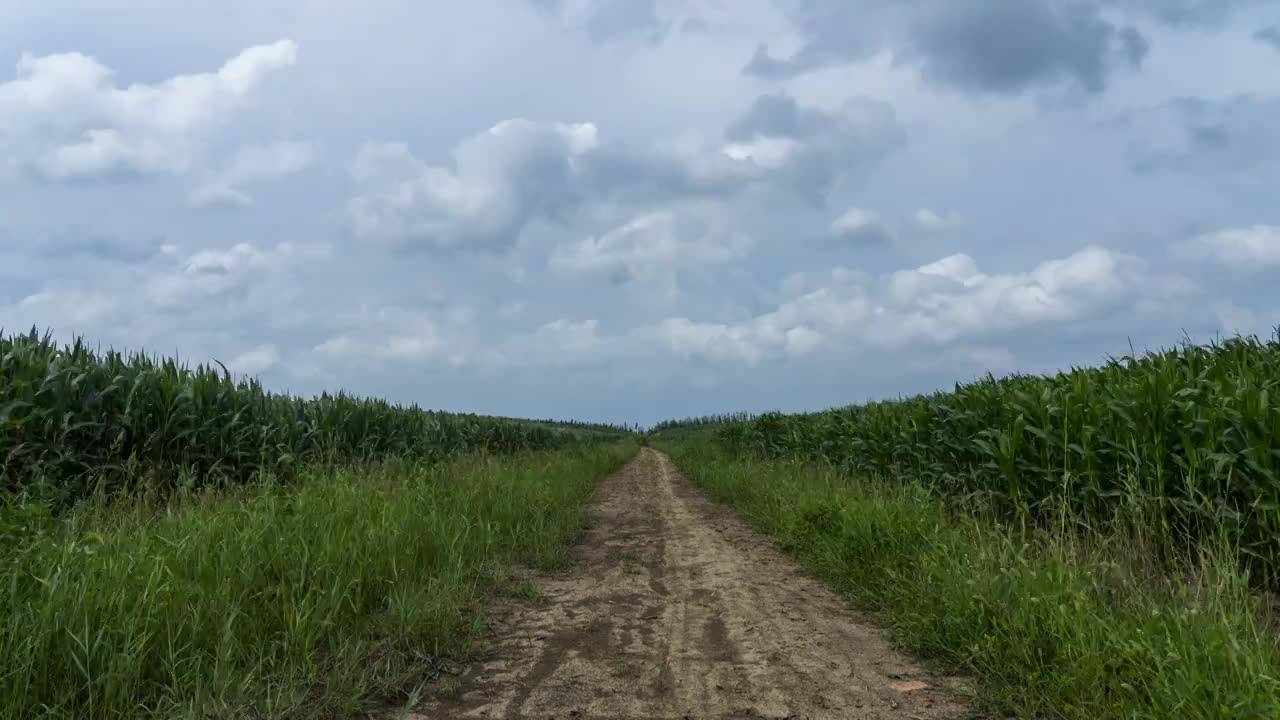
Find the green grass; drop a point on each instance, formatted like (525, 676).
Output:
(1055, 621)
(318, 600)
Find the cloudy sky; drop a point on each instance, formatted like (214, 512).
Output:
(630, 210)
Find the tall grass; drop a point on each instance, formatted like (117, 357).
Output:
(1053, 622)
(314, 601)
(74, 421)
(1189, 437)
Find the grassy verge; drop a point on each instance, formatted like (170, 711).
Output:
(319, 600)
(1052, 624)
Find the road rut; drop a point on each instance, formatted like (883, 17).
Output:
(675, 609)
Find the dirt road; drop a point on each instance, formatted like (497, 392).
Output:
(674, 609)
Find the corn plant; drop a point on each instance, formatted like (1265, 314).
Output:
(74, 421)
(1188, 437)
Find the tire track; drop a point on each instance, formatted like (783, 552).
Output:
(675, 609)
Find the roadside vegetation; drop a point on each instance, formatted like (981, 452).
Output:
(75, 422)
(1101, 543)
(180, 543)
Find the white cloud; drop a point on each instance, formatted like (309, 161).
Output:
(408, 347)
(520, 171)
(935, 304)
(568, 337)
(66, 118)
(252, 164)
(861, 226)
(215, 195)
(403, 335)
(769, 153)
(246, 256)
(560, 343)
(867, 227)
(749, 343)
(240, 301)
(222, 262)
(1248, 248)
(500, 179)
(800, 283)
(929, 221)
(105, 152)
(654, 245)
(798, 326)
(906, 286)
(213, 273)
(63, 309)
(255, 361)
(715, 341)
(951, 299)
(412, 339)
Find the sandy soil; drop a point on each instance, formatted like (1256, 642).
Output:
(675, 609)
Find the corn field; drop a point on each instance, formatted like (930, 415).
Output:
(74, 421)
(1187, 440)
